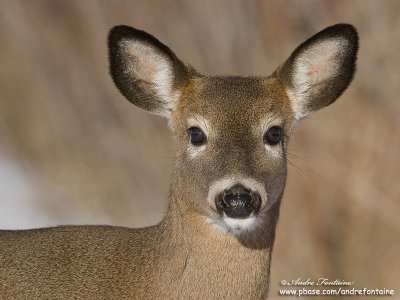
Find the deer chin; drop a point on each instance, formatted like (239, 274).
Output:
(226, 224)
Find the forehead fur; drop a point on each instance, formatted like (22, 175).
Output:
(235, 100)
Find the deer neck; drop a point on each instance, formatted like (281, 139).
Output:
(198, 252)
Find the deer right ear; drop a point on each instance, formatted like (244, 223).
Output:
(320, 69)
(145, 71)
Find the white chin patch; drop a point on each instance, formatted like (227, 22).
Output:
(236, 226)
(240, 225)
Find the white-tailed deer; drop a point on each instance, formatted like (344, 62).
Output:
(232, 134)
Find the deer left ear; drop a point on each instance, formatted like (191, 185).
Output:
(320, 69)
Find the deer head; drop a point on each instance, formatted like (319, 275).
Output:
(232, 132)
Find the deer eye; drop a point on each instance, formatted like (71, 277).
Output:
(197, 136)
(273, 135)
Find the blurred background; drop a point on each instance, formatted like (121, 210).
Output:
(74, 151)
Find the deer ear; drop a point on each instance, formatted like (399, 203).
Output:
(320, 69)
(145, 71)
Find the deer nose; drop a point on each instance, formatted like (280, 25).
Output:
(238, 202)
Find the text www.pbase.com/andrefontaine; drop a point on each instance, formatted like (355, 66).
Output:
(336, 292)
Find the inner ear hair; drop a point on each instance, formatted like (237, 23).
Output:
(320, 69)
(146, 71)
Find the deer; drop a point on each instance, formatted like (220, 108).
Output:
(228, 179)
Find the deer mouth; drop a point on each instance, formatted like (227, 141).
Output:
(236, 203)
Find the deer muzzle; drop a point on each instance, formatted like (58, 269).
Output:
(238, 202)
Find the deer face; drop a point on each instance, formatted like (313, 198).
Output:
(232, 136)
(232, 132)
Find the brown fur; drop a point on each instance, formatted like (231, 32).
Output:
(183, 257)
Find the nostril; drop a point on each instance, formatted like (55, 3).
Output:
(225, 200)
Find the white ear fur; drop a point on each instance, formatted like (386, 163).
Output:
(314, 66)
(152, 72)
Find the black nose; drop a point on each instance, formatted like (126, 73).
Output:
(238, 202)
